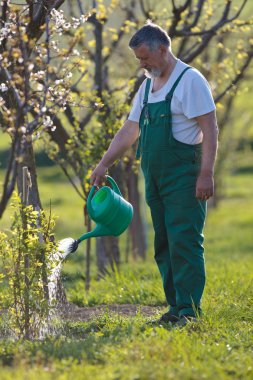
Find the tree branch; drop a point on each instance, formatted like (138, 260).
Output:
(145, 12)
(129, 16)
(177, 13)
(65, 171)
(223, 21)
(4, 11)
(7, 76)
(238, 77)
(11, 174)
(39, 17)
(86, 120)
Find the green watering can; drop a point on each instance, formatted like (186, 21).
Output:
(111, 212)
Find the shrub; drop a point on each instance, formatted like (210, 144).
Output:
(27, 253)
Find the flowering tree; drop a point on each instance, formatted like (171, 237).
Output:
(37, 81)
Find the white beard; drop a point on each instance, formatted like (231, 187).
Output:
(153, 73)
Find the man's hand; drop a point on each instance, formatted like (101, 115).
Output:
(98, 175)
(204, 186)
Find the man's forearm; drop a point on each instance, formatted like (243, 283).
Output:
(122, 141)
(205, 181)
(209, 152)
(208, 125)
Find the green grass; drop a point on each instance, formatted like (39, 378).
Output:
(112, 346)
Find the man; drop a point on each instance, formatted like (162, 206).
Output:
(174, 117)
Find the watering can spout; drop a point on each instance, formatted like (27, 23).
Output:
(99, 230)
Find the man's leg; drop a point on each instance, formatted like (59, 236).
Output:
(185, 234)
(162, 254)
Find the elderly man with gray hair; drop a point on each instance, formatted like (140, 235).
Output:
(173, 118)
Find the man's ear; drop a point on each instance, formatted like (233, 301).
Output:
(163, 49)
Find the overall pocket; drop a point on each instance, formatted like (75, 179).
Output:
(187, 153)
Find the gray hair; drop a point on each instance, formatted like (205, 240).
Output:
(151, 35)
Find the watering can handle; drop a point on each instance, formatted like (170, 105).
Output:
(92, 191)
(114, 184)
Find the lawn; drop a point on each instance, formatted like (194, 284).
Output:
(119, 345)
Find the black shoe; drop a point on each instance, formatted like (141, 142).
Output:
(165, 318)
(184, 320)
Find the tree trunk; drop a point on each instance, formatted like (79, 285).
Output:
(136, 227)
(28, 160)
(31, 197)
(107, 247)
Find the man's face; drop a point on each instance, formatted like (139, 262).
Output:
(152, 61)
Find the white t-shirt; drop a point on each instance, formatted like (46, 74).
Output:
(192, 97)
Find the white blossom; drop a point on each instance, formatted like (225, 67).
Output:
(47, 121)
(30, 67)
(12, 16)
(40, 87)
(75, 22)
(67, 26)
(39, 75)
(62, 24)
(84, 18)
(3, 87)
(58, 18)
(22, 129)
(5, 31)
(54, 46)
(58, 81)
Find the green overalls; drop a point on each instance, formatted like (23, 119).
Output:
(170, 169)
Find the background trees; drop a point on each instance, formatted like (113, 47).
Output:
(68, 78)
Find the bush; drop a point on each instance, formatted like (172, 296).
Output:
(27, 260)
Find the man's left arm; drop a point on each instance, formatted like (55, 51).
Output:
(205, 181)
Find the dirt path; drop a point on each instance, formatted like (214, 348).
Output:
(75, 313)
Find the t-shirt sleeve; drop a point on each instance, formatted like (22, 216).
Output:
(135, 112)
(197, 97)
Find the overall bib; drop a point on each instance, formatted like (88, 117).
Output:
(170, 170)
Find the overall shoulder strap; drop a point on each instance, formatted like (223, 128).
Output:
(144, 109)
(148, 83)
(170, 93)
